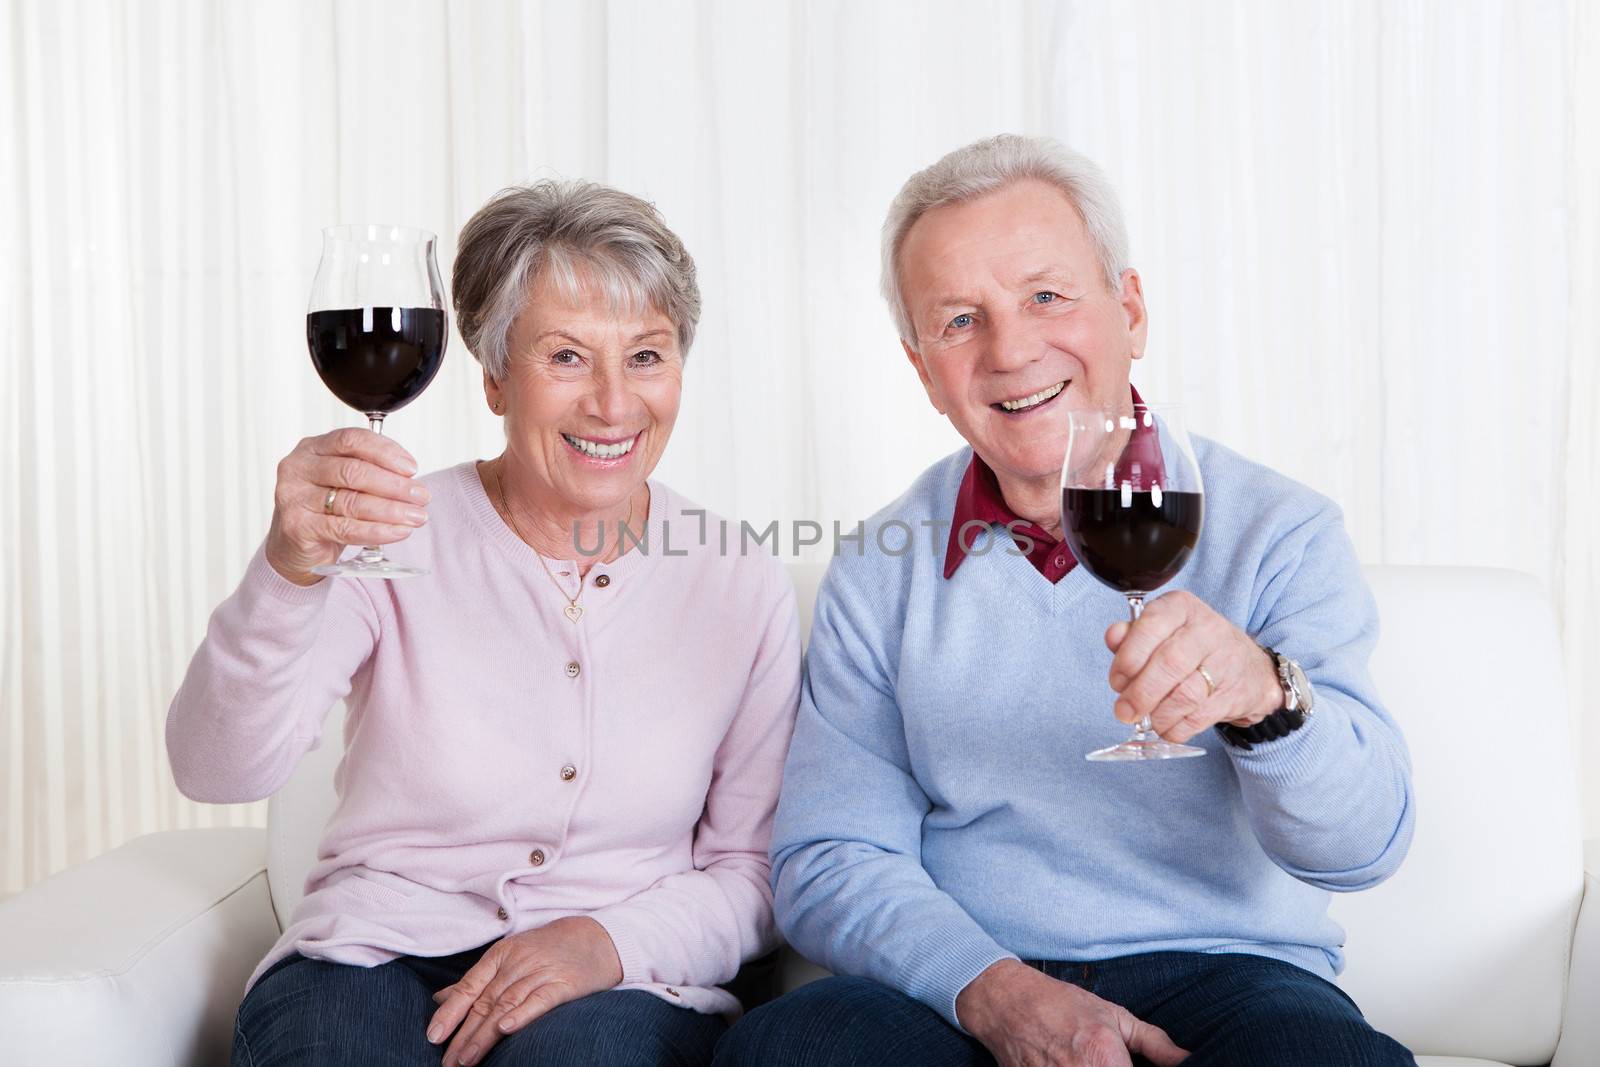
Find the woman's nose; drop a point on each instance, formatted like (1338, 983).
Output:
(611, 398)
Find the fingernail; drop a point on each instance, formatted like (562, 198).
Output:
(408, 465)
(435, 1035)
(1118, 681)
(415, 517)
(506, 1025)
(1124, 711)
(471, 1057)
(419, 493)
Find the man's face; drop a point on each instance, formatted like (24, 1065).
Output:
(1014, 324)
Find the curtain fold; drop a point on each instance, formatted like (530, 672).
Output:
(1368, 234)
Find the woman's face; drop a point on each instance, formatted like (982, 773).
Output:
(590, 398)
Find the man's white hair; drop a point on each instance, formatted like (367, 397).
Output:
(990, 164)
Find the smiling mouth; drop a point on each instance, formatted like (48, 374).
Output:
(600, 449)
(1028, 403)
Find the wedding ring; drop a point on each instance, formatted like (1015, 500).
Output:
(1211, 685)
(327, 501)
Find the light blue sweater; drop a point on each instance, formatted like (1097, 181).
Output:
(937, 812)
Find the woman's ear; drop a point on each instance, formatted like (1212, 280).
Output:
(494, 394)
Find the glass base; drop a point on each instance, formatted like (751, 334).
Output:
(1146, 747)
(356, 567)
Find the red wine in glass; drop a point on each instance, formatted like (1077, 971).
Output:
(376, 329)
(376, 358)
(1132, 506)
(1133, 541)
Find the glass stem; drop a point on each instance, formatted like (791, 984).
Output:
(1135, 609)
(372, 553)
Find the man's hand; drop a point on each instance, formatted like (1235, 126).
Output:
(1028, 1019)
(1157, 673)
(519, 979)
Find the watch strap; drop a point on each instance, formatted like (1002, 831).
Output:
(1279, 724)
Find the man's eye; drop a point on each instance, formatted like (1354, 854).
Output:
(961, 321)
(1044, 297)
(646, 358)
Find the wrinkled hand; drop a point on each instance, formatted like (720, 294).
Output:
(517, 980)
(375, 500)
(1028, 1019)
(1156, 669)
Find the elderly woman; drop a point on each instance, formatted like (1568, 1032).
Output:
(563, 748)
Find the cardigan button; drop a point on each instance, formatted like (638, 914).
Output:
(536, 857)
(602, 581)
(501, 914)
(573, 669)
(568, 773)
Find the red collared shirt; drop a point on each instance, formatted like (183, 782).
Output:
(979, 505)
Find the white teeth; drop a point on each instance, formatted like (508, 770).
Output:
(598, 450)
(1037, 398)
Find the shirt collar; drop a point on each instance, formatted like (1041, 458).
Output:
(979, 500)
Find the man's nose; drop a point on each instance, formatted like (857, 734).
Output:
(1012, 345)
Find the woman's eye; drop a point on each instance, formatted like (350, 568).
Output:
(646, 358)
(566, 357)
(961, 321)
(1044, 297)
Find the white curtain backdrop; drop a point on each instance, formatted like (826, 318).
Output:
(1369, 233)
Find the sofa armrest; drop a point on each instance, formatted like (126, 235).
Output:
(1580, 1025)
(138, 957)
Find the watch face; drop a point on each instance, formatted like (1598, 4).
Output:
(1302, 687)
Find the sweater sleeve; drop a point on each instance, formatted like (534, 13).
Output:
(1331, 803)
(275, 658)
(696, 927)
(851, 891)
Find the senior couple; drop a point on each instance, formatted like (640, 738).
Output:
(560, 830)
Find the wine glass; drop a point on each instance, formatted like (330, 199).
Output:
(377, 329)
(1131, 509)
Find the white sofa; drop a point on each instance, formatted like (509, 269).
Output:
(1476, 952)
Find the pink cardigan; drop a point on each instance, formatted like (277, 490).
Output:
(504, 767)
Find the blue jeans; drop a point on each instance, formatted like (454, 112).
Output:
(1234, 1010)
(312, 1012)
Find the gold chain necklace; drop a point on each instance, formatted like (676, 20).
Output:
(572, 610)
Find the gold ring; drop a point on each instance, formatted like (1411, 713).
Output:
(327, 501)
(1211, 685)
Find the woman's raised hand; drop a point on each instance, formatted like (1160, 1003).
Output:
(347, 487)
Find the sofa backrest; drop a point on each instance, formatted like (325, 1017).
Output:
(1464, 951)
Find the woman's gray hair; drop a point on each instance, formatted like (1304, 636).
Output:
(987, 165)
(576, 234)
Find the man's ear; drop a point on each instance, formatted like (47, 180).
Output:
(922, 372)
(1131, 297)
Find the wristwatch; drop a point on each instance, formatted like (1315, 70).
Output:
(1298, 703)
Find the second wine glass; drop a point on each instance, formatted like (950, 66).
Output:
(1132, 505)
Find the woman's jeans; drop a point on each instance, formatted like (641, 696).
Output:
(313, 1012)
(1234, 1010)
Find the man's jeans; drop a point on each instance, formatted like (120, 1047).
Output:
(312, 1012)
(1234, 1010)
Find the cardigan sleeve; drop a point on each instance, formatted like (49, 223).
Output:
(275, 658)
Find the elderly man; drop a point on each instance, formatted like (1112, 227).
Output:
(983, 893)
